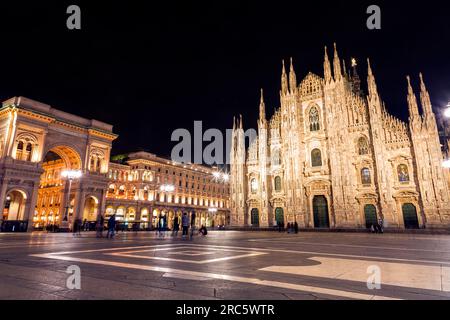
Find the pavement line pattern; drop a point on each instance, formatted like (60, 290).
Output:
(336, 255)
(168, 271)
(132, 254)
(425, 277)
(347, 245)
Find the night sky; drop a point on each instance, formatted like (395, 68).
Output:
(149, 69)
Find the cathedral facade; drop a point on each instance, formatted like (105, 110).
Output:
(333, 157)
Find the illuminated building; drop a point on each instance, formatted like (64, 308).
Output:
(333, 157)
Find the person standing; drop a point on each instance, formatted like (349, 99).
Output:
(296, 227)
(176, 226)
(192, 224)
(185, 224)
(111, 226)
(99, 226)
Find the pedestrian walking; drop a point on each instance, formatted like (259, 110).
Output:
(380, 225)
(99, 226)
(111, 226)
(295, 227)
(77, 227)
(176, 226)
(185, 224)
(289, 227)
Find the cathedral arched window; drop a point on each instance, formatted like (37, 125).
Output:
(316, 158)
(121, 190)
(276, 157)
(254, 186)
(314, 124)
(363, 146)
(403, 173)
(277, 183)
(112, 188)
(365, 176)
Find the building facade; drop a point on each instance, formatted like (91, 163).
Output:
(333, 157)
(151, 190)
(38, 143)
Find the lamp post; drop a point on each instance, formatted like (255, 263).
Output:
(70, 175)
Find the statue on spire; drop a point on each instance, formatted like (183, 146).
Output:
(284, 81)
(425, 97)
(337, 65)
(292, 78)
(262, 107)
(412, 101)
(327, 68)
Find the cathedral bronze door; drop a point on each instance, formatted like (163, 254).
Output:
(370, 214)
(410, 216)
(279, 216)
(320, 210)
(255, 217)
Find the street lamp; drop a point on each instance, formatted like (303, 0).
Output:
(69, 175)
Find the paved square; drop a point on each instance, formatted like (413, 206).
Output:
(226, 265)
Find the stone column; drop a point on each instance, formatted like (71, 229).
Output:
(31, 207)
(2, 199)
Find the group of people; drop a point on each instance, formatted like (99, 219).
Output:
(291, 227)
(186, 223)
(377, 227)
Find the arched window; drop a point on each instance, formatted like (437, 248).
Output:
(29, 151)
(403, 173)
(112, 188)
(19, 151)
(365, 176)
(121, 190)
(316, 158)
(276, 157)
(278, 183)
(363, 146)
(254, 186)
(314, 124)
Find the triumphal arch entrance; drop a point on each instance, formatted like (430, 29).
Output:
(38, 143)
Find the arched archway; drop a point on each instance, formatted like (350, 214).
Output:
(320, 211)
(370, 215)
(410, 218)
(90, 209)
(14, 208)
(255, 217)
(279, 216)
(51, 197)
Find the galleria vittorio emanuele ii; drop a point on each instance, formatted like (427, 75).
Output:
(332, 156)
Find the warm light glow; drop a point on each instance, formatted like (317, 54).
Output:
(446, 164)
(447, 111)
(71, 174)
(226, 177)
(216, 174)
(212, 209)
(167, 188)
(354, 63)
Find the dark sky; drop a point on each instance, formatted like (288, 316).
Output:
(149, 69)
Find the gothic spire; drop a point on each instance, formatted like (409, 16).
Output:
(412, 101)
(372, 85)
(284, 81)
(425, 97)
(337, 65)
(327, 68)
(262, 107)
(292, 77)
